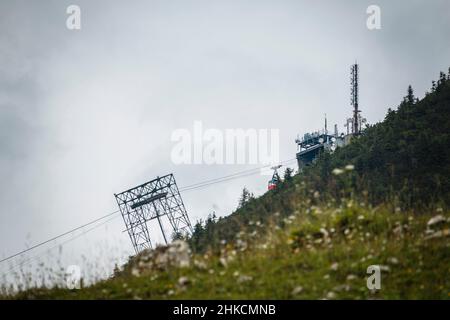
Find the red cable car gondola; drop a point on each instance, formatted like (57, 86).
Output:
(275, 178)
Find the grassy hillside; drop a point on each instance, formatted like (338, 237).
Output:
(403, 161)
(382, 200)
(320, 252)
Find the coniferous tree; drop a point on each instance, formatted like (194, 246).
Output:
(410, 97)
(245, 197)
(288, 174)
(442, 78)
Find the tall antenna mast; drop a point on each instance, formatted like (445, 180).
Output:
(354, 98)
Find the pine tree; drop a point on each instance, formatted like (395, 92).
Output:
(288, 174)
(245, 197)
(410, 97)
(433, 86)
(116, 271)
(442, 77)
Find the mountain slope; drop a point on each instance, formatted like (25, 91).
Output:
(403, 160)
(320, 253)
(316, 234)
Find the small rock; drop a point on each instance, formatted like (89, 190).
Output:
(324, 232)
(436, 220)
(438, 234)
(176, 254)
(398, 230)
(297, 290)
(183, 281)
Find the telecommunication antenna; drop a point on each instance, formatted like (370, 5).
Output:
(152, 200)
(354, 98)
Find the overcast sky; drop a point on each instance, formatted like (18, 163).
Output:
(88, 113)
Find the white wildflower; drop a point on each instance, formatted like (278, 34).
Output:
(351, 277)
(393, 260)
(135, 272)
(223, 261)
(244, 278)
(349, 167)
(385, 268)
(334, 266)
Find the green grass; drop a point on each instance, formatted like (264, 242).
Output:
(299, 261)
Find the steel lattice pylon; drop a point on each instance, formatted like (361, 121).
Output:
(152, 200)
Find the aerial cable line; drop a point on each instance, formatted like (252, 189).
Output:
(198, 185)
(228, 177)
(61, 244)
(58, 236)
